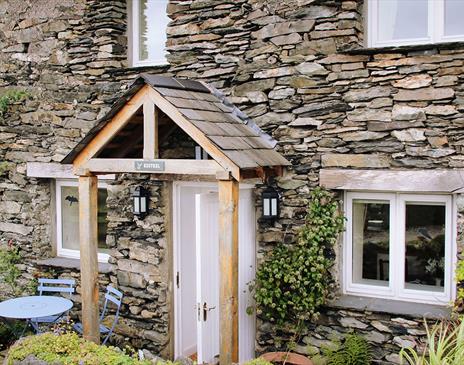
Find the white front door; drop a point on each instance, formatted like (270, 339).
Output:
(197, 269)
(207, 263)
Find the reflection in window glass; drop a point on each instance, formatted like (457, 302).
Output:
(371, 242)
(454, 11)
(70, 218)
(153, 22)
(425, 246)
(402, 19)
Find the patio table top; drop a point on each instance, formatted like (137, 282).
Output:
(34, 306)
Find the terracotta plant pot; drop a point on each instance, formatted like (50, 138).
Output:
(287, 357)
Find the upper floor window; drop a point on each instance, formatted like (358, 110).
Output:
(148, 21)
(409, 22)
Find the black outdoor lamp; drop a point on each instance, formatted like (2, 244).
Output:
(270, 198)
(140, 197)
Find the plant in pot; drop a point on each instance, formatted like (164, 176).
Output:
(293, 282)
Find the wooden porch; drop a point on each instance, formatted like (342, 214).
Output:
(127, 140)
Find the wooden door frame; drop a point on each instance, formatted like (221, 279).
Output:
(176, 247)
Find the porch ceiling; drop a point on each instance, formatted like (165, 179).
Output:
(228, 129)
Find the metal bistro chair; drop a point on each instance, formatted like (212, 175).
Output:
(114, 296)
(53, 286)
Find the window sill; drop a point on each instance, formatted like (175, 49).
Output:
(417, 310)
(405, 49)
(67, 263)
(157, 66)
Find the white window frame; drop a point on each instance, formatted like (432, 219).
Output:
(133, 38)
(396, 289)
(435, 28)
(60, 250)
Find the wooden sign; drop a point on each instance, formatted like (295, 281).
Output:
(149, 165)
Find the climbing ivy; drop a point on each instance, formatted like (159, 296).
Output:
(293, 282)
(9, 98)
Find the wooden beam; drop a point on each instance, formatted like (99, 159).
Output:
(54, 170)
(150, 130)
(440, 181)
(112, 128)
(228, 265)
(194, 133)
(128, 165)
(88, 236)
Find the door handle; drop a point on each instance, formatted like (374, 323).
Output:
(206, 310)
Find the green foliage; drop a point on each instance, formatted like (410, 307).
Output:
(10, 97)
(9, 272)
(353, 351)
(258, 361)
(294, 281)
(445, 345)
(4, 167)
(69, 349)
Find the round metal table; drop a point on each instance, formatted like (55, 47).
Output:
(34, 306)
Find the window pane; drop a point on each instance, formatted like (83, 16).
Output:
(70, 218)
(454, 11)
(371, 242)
(102, 212)
(402, 19)
(153, 21)
(425, 246)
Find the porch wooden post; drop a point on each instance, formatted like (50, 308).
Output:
(228, 264)
(88, 191)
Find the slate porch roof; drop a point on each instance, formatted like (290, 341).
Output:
(231, 130)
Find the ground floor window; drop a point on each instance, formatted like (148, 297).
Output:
(67, 219)
(399, 246)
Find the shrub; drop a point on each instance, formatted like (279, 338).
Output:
(445, 345)
(293, 282)
(353, 351)
(69, 349)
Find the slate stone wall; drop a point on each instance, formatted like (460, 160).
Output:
(297, 67)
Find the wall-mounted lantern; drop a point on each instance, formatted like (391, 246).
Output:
(140, 197)
(271, 200)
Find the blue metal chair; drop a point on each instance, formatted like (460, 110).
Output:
(53, 286)
(114, 296)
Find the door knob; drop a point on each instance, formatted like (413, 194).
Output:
(206, 309)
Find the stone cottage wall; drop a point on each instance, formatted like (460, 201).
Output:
(297, 67)
(70, 58)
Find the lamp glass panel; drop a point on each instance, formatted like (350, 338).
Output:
(266, 207)
(274, 207)
(136, 205)
(143, 204)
